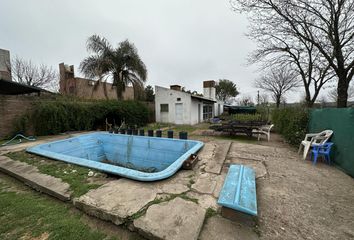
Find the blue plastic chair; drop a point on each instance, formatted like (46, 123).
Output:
(323, 150)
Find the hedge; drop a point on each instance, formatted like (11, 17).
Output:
(292, 123)
(53, 117)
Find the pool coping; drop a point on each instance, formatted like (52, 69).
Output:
(117, 170)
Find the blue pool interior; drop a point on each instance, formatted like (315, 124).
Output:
(136, 157)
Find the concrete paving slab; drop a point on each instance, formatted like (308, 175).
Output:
(32, 177)
(220, 228)
(205, 183)
(258, 166)
(219, 183)
(245, 155)
(214, 165)
(174, 188)
(206, 153)
(205, 200)
(117, 200)
(254, 149)
(176, 184)
(177, 219)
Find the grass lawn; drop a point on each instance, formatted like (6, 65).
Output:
(176, 128)
(31, 215)
(76, 176)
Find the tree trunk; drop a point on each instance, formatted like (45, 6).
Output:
(309, 104)
(342, 91)
(278, 102)
(120, 89)
(308, 101)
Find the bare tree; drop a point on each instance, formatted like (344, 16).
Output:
(263, 99)
(325, 25)
(26, 72)
(278, 82)
(302, 57)
(246, 100)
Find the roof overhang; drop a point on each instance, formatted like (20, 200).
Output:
(15, 88)
(203, 99)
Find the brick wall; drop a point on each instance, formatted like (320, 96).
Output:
(87, 88)
(82, 88)
(11, 109)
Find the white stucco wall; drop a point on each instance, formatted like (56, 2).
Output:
(194, 111)
(216, 108)
(168, 96)
(192, 114)
(209, 92)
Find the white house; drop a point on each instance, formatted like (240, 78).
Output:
(177, 107)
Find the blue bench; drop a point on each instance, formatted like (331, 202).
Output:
(239, 190)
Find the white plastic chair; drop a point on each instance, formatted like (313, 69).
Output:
(312, 139)
(265, 129)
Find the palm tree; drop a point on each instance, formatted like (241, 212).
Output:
(122, 64)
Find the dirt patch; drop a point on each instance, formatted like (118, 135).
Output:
(10, 184)
(43, 236)
(109, 228)
(300, 201)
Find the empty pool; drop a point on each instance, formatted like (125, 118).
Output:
(135, 157)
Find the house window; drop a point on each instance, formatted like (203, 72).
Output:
(163, 107)
(207, 112)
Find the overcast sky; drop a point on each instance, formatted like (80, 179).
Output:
(181, 41)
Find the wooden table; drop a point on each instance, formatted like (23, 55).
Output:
(234, 127)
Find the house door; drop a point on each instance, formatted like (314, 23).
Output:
(179, 113)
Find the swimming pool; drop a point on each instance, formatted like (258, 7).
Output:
(136, 157)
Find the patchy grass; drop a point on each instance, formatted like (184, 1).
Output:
(190, 183)
(76, 176)
(210, 212)
(142, 211)
(187, 198)
(33, 216)
(176, 128)
(156, 126)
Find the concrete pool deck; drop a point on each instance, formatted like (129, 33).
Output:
(296, 200)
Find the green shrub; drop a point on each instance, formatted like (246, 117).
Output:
(53, 117)
(247, 117)
(292, 123)
(264, 111)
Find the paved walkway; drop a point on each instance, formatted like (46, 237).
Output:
(32, 177)
(296, 200)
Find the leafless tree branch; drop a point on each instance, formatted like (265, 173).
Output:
(26, 72)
